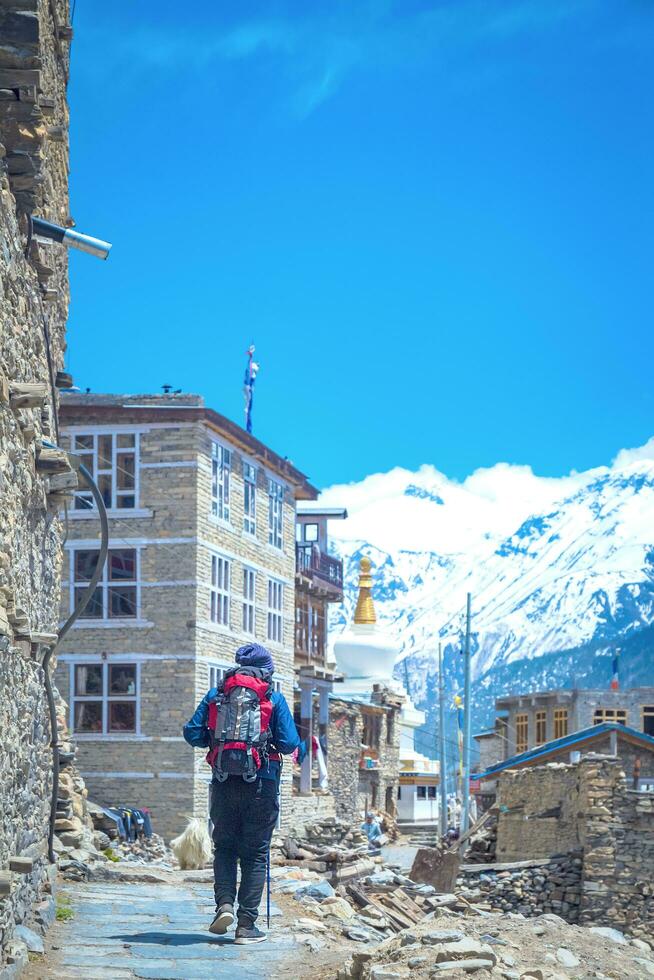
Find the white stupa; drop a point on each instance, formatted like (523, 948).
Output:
(366, 654)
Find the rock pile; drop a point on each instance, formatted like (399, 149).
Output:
(530, 888)
(506, 947)
(330, 847)
(145, 850)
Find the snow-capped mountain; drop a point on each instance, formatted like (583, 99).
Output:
(561, 572)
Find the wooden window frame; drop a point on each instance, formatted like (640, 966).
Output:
(105, 698)
(561, 721)
(521, 721)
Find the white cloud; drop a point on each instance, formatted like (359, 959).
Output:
(488, 505)
(627, 456)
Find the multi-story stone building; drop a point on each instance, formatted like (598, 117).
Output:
(202, 558)
(528, 720)
(318, 582)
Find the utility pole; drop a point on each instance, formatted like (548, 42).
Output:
(467, 727)
(441, 737)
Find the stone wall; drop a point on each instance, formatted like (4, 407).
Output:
(528, 887)
(586, 807)
(33, 310)
(541, 816)
(617, 887)
(344, 738)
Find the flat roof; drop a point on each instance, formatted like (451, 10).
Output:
(569, 692)
(332, 513)
(81, 408)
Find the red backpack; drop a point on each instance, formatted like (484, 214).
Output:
(239, 724)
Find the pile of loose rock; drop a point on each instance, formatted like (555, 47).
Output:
(483, 842)
(145, 850)
(528, 887)
(508, 946)
(329, 847)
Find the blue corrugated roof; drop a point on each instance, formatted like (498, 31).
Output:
(568, 740)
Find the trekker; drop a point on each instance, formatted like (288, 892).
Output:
(247, 727)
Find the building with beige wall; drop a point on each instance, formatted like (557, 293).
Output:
(202, 558)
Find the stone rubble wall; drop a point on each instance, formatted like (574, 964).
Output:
(33, 309)
(586, 807)
(551, 886)
(618, 880)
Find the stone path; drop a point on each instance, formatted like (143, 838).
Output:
(121, 930)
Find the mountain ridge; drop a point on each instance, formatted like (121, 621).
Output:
(561, 572)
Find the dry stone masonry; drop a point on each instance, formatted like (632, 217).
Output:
(33, 309)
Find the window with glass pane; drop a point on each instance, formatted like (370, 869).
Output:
(275, 607)
(560, 722)
(541, 727)
(104, 698)
(422, 792)
(221, 463)
(603, 715)
(521, 732)
(112, 461)
(116, 594)
(220, 590)
(249, 498)
(311, 532)
(249, 586)
(275, 513)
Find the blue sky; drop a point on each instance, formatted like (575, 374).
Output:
(433, 219)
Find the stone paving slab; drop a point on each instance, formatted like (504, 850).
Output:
(158, 932)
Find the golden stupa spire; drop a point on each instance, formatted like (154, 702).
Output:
(365, 610)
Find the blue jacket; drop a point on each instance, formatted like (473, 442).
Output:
(283, 732)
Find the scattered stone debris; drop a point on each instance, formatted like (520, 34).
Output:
(145, 850)
(454, 944)
(330, 847)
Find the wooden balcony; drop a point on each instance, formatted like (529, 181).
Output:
(322, 573)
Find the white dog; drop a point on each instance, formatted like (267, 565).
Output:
(193, 848)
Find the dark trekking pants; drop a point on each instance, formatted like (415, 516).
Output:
(243, 816)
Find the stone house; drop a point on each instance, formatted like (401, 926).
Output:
(634, 749)
(202, 558)
(589, 811)
(34, 295)
(525, 721)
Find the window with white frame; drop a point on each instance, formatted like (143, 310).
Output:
(216, 675)
(116, 594)
(275, 513)
(112, 461)
(275, 611)
(249, 593)
(249, 498)
(221, 467)
(105, 698)
(220, 577)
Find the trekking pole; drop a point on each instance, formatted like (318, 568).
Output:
(268, 890)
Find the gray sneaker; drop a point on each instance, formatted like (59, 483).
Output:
(249, 934)
(223, 921)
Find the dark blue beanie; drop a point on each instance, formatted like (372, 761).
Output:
(254, 655)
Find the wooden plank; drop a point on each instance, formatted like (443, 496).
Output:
(19, 77)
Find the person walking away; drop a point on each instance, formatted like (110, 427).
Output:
(373, 832)
(247, 727)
